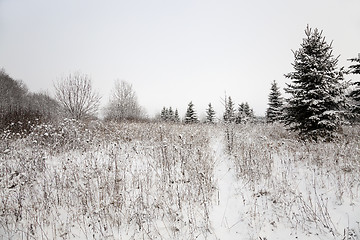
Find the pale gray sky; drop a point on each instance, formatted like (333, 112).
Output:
(173, 52)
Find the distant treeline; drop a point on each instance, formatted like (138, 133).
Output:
(320, 101)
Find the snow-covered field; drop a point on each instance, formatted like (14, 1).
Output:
(162, 181)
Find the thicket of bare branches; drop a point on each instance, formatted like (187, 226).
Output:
(21, 109)
(77, 96)
(12, 93)
(123, 104)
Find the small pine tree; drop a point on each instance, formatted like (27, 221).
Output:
(190, 116)
(229, 114)
(274, 111)
(316, 105)
(355, 93)
(245, 113)
(176, 116)
(210, 114)
(170, 115)
(163, 114)
(167, 114)
(249, 111)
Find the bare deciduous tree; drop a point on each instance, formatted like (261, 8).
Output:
(76, 95)
(123, 104)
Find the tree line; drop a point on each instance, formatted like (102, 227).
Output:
(20, 109)
(320, 100)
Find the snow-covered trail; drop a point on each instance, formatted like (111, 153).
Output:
(238, 212)
(226, 215)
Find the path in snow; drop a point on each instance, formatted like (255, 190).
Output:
(237, 214)
(226, 216)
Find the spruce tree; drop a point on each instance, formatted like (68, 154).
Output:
(210, 114)
(316, 105)
(249, 112)
(166, 114)
(176, 116)
(190, 116)
(170, 115)
(355, 93)
(274, 111)
(163, 114)
(245, 113)
(229, 114)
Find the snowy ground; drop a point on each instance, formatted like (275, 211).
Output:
(293, 199)
(226, 214)
(154, 181)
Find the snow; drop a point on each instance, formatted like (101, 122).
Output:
(296, 201)
(180, 182)
(225, 215)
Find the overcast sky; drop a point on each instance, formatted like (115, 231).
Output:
(172, 52)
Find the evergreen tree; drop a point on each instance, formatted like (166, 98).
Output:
(355, 69)
(355, 93)
(190, 116)
(249, 112)
(274, 111)
(163, 116)
(166, 114)
(245, 113)
(176, 116)
(316, 105)
(229, 114)
(210, 114)
(170, 115)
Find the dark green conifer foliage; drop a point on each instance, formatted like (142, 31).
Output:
(316, 105)
(170, 115)
(190, 116)
(176, 116)
(163, 114)
(355, 93)
(275, 110)
(245, 113)
(229, 114)
(210, 114)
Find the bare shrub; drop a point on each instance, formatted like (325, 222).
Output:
(76, 95)
(123, 104)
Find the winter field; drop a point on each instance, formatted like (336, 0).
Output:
(170, 181)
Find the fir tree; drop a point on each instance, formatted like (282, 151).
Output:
(315, 107)
(355, 93)
(245, 113)
(176, 116)
(210, 114)
(249, 111)
(190, 116)
(163, 114)
(166, 114)
(170, 115)
(229, 114)
(274, 111)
